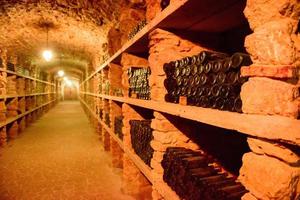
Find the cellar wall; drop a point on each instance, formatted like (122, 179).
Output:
(268, 33)
(26, 94)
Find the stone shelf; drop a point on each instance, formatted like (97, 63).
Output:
(134, 158)
(27, 77)
(26, 95)
(12, 119)
(263, 126)
(182, 15)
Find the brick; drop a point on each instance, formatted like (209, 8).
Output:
(274, 150)
(272, 43)
(270, 97)
(275, 71)
(268, 178)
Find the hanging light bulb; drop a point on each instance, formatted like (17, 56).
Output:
(47, 54)
(69, 83)
(61, 73)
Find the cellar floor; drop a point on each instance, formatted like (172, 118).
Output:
(59, 157)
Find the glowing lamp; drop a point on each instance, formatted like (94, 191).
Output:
(61, 73)
(47, 54)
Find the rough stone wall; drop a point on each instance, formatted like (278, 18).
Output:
(272, 170)
(165, 134)
(106, 140)
(115, 78)
(116, 153)
(77, 29)
(133, 181)
(274, 43)
(129, 16)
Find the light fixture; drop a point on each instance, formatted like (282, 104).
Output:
(61, 73)
(66, 78)
(47, 54)
(69, 83)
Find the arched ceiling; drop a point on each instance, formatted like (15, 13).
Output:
(77, 30)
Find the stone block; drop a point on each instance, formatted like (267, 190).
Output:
(129, 60)
(157, 167)
(153, 8)
(162, 137)
(158, 156)
(159, 116)
(163, 125)
(270, 97)
(157, 146)
(248, 196)
(272, 71)
(114, 40)
(158, 94)
(274, 150)
(260, 12)
(156, 195)
(272, 43)
(269, 178)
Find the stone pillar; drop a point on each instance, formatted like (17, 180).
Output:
(13, 130)
(99, 131)
(165, 134)
(129, 113)
(274, 47)
(22, 125)
(106, 140)
(3, 137)
(133, 181)
(116, 153)
(272, 170)
(115, 79)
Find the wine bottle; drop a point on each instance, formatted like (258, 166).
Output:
(217, 66)
(196, 80)
(203, 79)
(232, 77)
(238, 105)
(221, 78)
(188, 70)
(240, 59)
(207, 67)
(200, 69)
(211, 55)
(194, 69)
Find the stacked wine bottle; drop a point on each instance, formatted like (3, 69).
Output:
(107, 119)
(209, 79)
(164, 4)
(118, 125)
(141, 136)
(137, 28)
(101, 114)
(192, 176)
(138, 82)
(10, 66)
